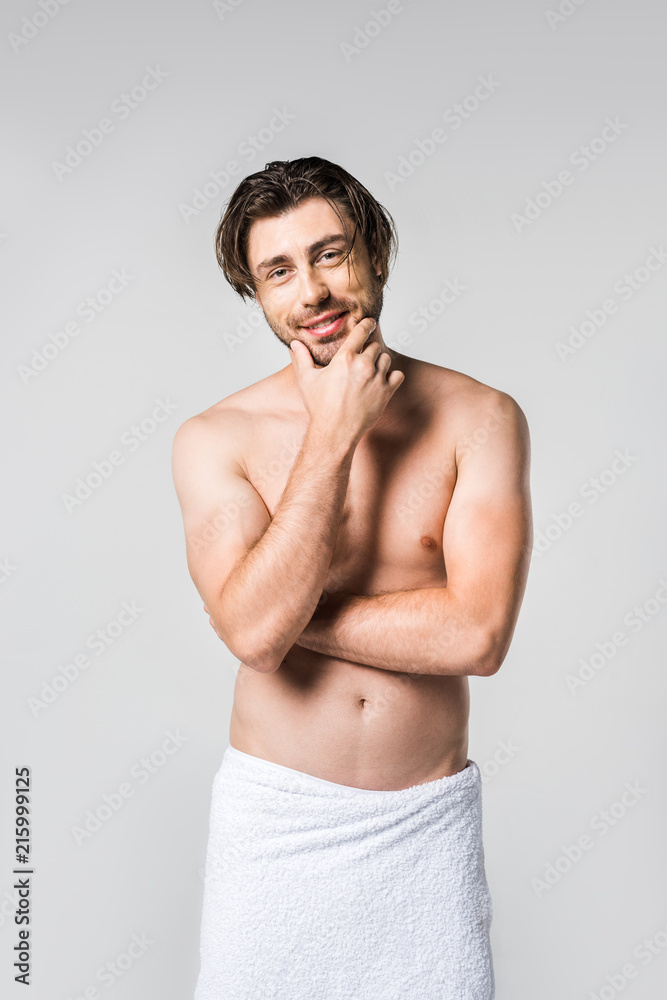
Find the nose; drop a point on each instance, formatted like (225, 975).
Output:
(313, 287)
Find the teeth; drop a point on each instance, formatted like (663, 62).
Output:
(325, 322)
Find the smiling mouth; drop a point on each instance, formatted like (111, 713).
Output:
(327, 326)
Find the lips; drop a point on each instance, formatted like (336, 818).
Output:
(335, 319)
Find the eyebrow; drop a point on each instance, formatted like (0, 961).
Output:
(283, 258)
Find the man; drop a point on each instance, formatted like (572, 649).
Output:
(359, 527)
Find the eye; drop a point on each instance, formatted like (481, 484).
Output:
(335, 253)
(276, 274)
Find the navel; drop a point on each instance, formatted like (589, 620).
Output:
(428, 542)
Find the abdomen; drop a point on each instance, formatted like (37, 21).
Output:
(352, 724)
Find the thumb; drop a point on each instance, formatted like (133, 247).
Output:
(301, 356)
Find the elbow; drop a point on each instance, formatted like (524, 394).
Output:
(248, 647)
(253, 654)
(491, 656)
(488, 666)
(262, 664)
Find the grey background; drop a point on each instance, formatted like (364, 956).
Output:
(169, 335)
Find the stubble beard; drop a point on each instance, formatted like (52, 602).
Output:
(325, 349)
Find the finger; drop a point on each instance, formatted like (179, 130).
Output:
(301, 357)
(358, 337)
(394, 379)
(372, 349)
(383, 362)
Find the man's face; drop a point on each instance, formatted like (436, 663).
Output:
(300, 276)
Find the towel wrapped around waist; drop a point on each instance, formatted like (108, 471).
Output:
(319, 891)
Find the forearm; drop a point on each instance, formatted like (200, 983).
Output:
(271, 594)
(416, 631)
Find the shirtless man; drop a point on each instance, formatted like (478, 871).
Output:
(358, 524)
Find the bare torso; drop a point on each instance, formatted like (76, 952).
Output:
(346, 722)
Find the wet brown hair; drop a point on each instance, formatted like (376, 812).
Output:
(281, 187)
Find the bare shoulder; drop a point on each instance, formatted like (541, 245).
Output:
(469, 408)
(481, 409)
(224, 429)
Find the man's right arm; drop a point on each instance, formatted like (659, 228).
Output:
(259, 577)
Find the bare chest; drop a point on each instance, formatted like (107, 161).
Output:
(391, 524)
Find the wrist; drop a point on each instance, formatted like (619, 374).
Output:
(329, 441)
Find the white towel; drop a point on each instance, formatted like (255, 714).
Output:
(320, 891)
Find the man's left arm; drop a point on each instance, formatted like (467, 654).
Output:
(466, 627)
